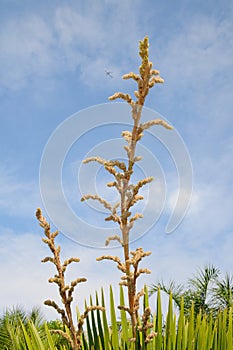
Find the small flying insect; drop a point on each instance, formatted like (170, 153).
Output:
(108, 73)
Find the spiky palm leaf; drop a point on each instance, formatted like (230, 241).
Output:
(200, 285)
(222, 293)
(176, 290)
(197, 292)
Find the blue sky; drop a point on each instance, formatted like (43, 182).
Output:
(52, 65)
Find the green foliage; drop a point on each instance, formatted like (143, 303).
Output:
(205, 291)
(114, 326)
(12, 324)
(197, 332)
(222, 292)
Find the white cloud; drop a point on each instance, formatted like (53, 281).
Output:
(32, 47)
(20, 269)
(211, 214)
(25, 51)
(17, 197)
(77, 38)
(92, 40)
(25, 277)
(199, 54)
(79, 30)
(209, 217)
(185, 198)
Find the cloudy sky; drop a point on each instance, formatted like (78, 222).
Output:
(53, 62)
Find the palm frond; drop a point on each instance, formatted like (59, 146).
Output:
(176, 290)
(222, 292)
(203, 277)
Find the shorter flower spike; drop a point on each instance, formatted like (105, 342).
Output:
(65, 290)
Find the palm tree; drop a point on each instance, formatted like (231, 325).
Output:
(9, 328)
(200, 284)
(177, 291)
(11, 334)
(198, 291)
(222, 293)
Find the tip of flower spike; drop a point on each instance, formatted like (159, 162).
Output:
(144, 41)
(38, 213)
(143, 47)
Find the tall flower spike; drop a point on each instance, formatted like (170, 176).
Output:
(129, 192)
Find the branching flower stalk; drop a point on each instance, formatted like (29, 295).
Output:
(129, 192)
(65, 290)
